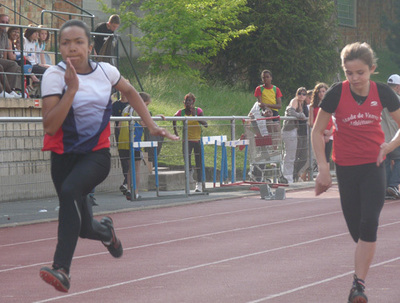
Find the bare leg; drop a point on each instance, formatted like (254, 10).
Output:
(364, 254)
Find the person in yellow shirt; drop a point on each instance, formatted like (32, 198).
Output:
(269, 94)
(194, 135)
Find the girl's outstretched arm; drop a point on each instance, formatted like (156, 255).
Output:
(137, 103)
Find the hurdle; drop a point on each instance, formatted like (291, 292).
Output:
(134, 145)
(224, 161)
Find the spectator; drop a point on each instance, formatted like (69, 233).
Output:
(43, 38)
(108, 27)
(289, 132)
(302, 143)
(32, 50)
(194, 136)
(12, 82)
(15, 51)
(392, 161)
(318, 94)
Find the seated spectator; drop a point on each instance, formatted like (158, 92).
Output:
(32, 50)
(14, 52)
(43, 38)
(11, 81)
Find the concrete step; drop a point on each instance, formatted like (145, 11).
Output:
(168, 180)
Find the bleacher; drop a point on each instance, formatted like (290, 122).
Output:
(51, 15)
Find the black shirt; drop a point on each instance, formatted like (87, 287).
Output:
(387, 97)
(99, 40)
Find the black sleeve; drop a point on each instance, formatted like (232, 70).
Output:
(388, 97)
(332, 97)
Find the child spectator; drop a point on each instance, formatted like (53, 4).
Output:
(194, 136)
(43, 38)
(124, 147)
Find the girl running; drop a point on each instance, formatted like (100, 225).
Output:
(76, 119)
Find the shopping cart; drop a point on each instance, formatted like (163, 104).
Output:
(265, 150)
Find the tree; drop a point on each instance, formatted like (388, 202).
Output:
(178, 33)
(295, 39)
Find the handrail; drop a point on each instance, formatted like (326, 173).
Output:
(15, 12)
(82, 10)
(62, 13)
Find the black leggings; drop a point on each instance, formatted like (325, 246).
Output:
(362, 195)
(195, 146)
(74, 176)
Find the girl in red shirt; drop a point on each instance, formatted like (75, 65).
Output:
(359, 149)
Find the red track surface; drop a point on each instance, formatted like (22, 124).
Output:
(239, 250)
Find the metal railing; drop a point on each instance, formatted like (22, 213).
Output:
(24, 167)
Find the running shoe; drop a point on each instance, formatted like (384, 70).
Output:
(199, 187)
(115, 245)
(56, 277)
(393, 192)
(123, 189)
(357, 294)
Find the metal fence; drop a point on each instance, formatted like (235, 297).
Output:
(25, 169)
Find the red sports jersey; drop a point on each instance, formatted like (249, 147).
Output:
(358, 134)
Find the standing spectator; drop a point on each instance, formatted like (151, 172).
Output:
(302, 142)
(289, 132)
(392, 161)
(318, 94)
(108, 27)
(359, 149)
(124, 147)
(12, 82)
(76, 120)
(194, 136)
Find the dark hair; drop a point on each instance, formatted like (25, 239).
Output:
(78, 23)
(315, 99)
(266, 71)
(29, 31)
(145, 96)
(10, 30)
(190, 96)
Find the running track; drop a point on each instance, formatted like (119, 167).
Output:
(238, 250)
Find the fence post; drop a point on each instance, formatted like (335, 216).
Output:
(186, 156)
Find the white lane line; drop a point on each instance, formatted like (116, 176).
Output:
(224, 261)
(319, 282)
(180, 239)
(171, 221)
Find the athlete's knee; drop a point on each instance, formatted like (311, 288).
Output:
(369, 230)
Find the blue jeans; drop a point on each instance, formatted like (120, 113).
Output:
(392, 173)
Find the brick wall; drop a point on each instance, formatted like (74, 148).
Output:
(368, 29)
(32, 11)
(24, 168)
